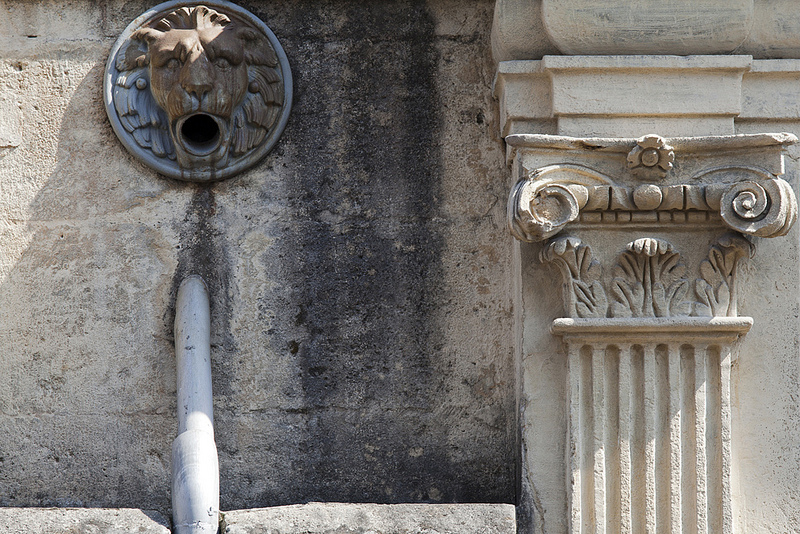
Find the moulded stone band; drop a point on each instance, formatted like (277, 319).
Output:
(650, 329)
(763, 208)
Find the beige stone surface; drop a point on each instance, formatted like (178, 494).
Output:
(518, 31)
(773, 33)
(622, 27)
(768, 91)
(530, 29)
(361, 303)
(622, 96)
(81, 521)
(374, 518)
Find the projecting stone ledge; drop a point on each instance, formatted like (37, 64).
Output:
(83, 520)
(374, 518)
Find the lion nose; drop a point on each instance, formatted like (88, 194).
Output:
(196, 76)
(199, 89)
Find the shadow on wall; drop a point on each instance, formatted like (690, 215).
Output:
(324, 268)
(86, 378)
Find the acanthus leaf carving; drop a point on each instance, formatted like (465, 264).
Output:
(716, 289)
(649, 281)
(584, 295)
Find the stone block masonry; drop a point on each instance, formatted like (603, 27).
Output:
(359, 275)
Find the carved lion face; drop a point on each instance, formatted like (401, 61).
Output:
(214, 79)
(197, 70)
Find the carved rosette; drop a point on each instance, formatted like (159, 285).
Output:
(198, 92)
(651, 158)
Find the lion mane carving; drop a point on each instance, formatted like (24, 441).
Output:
(198, 87)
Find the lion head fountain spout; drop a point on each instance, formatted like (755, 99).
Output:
(197, 92)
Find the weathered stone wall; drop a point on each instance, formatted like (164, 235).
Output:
(361, 299)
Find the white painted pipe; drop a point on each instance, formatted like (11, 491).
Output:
(195, 466)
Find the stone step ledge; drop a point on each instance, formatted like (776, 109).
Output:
(346, 518)
(82, 521)
(311, 518)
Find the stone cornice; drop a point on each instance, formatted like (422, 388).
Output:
(574, 96)
(649, 279)
(708, 143)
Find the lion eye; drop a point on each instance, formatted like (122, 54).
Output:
(173, 64)
(222, 63)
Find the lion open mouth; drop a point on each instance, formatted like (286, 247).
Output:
(200, 134)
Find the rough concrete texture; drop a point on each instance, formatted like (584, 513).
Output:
(359, 276)
(335, 518)
(81, 521)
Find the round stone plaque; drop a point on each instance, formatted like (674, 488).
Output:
(198, 92)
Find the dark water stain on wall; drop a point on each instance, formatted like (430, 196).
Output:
(361, 255)
(202, 251)
(371, 269)
(359, 294)
(358, 259)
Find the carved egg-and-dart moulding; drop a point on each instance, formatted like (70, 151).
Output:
(198, 92)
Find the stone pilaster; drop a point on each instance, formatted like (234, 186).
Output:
(629, 178)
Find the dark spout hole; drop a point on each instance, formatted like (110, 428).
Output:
(200, 131)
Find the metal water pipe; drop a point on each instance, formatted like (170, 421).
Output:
(195, 466)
